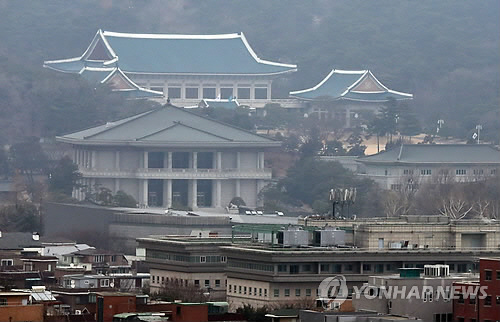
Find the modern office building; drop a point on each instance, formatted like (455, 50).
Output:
(171, 157)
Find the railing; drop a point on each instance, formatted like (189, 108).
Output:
(170, 173)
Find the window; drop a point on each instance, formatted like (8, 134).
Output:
(261, 93)
(217, 283)
(105, 283)
(281, 268)
(487, 300)
(487, 275)
(244, 92)
(498, 275)
(306, 268)
(325, 267)
(174, 92)
(197, 283)
(348, 267)
(308, 292)
(226, 93)
(461, 299)
(460, 172)
(99, 258)
(287, 292)
(113, 258)
(255, 290)
(367, 267)
(209, 92)
(239, 289)
(7, 262)
(244, 290)
(276, 292)
(297, 292)
(229, 288)
(472, 299)
(192, 92)
(207, 283)
(3, 301)
(493, 171)
(260, 292)
(337, 268)
(478, 171)
(408, 172)
(265, 292)
(396, 187)
(498, 300)
(425, 172)
(203, 259)
(250, 291)
(294, 269)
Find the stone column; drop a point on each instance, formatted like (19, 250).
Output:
(237, 188)
(167, 193)
(194, 194)
(145, 160)
(219, 160)
(117, 160)
(260, 162)
(347, 118)
(218, 191)
(117, 185)
(93, 159)
(194, 159)
(238, 160)
(145, 192)
(169, 160)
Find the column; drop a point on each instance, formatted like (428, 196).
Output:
(194, 194)
(145, 159)
(347, 118)
(144, 189)
(237, 188)
(117, 185)
(252, 91)
(218, 191)
(260, 186)
(167, 193)
(238, 160)
(269, 86)
(169, 160)
(117, 160)
(219, 160)
(93, 159)
(194, 159)
(260, 162)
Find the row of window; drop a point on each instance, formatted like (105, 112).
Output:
(472, 300)
(252, 266)
(185, 258)
(458, 172)
(156, 279)
(488, 275)
(210, 91)
(239, 289)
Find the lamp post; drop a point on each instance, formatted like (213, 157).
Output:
(440, 124)
(479, 127)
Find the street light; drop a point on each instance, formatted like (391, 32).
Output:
(479, 127)
(440, 124)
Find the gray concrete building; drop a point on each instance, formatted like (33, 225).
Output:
(169, 157)
(409, 165)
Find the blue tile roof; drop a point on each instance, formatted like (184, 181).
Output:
(220, 103)
(226, 54)
(350, 85)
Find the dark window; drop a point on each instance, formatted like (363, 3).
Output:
(306, 268)
(3, 301)
(261, 93)
(297, 292)
(487, 275)
(180, 160)
(192, 92)
(174, 92)
(155, 160)
(308, 292)
(209, 92)
(243, 93)
(226, 93)
(294, 269)
(498, 275)
(287, 292)
(337, 268)
(498, 300)
(367, 267)
(197, 283)
(276, 292)
(281, 268)
(325, 267)
(460, 298)
(487, 300)
(217, 283)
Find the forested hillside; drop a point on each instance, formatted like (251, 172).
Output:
(445, 52)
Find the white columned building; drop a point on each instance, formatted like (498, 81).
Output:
(170, 157)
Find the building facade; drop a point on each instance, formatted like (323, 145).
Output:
(410, 165)
(185, 68)
(169, 157)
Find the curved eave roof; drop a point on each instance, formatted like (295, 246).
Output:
(341, 84)
(168, 126)
(224, 54)
(412, 154)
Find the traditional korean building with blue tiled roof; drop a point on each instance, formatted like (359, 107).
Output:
(170, 157)
(344, 93)
(185, 68)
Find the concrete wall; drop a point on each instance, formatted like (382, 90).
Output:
(228, 189)
(248, 160)
(248, 189)
(228, 160)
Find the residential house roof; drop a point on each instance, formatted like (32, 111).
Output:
(17, 240)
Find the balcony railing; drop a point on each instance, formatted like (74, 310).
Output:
(171, 173)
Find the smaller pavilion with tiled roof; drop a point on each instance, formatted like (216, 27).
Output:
(347, 92)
